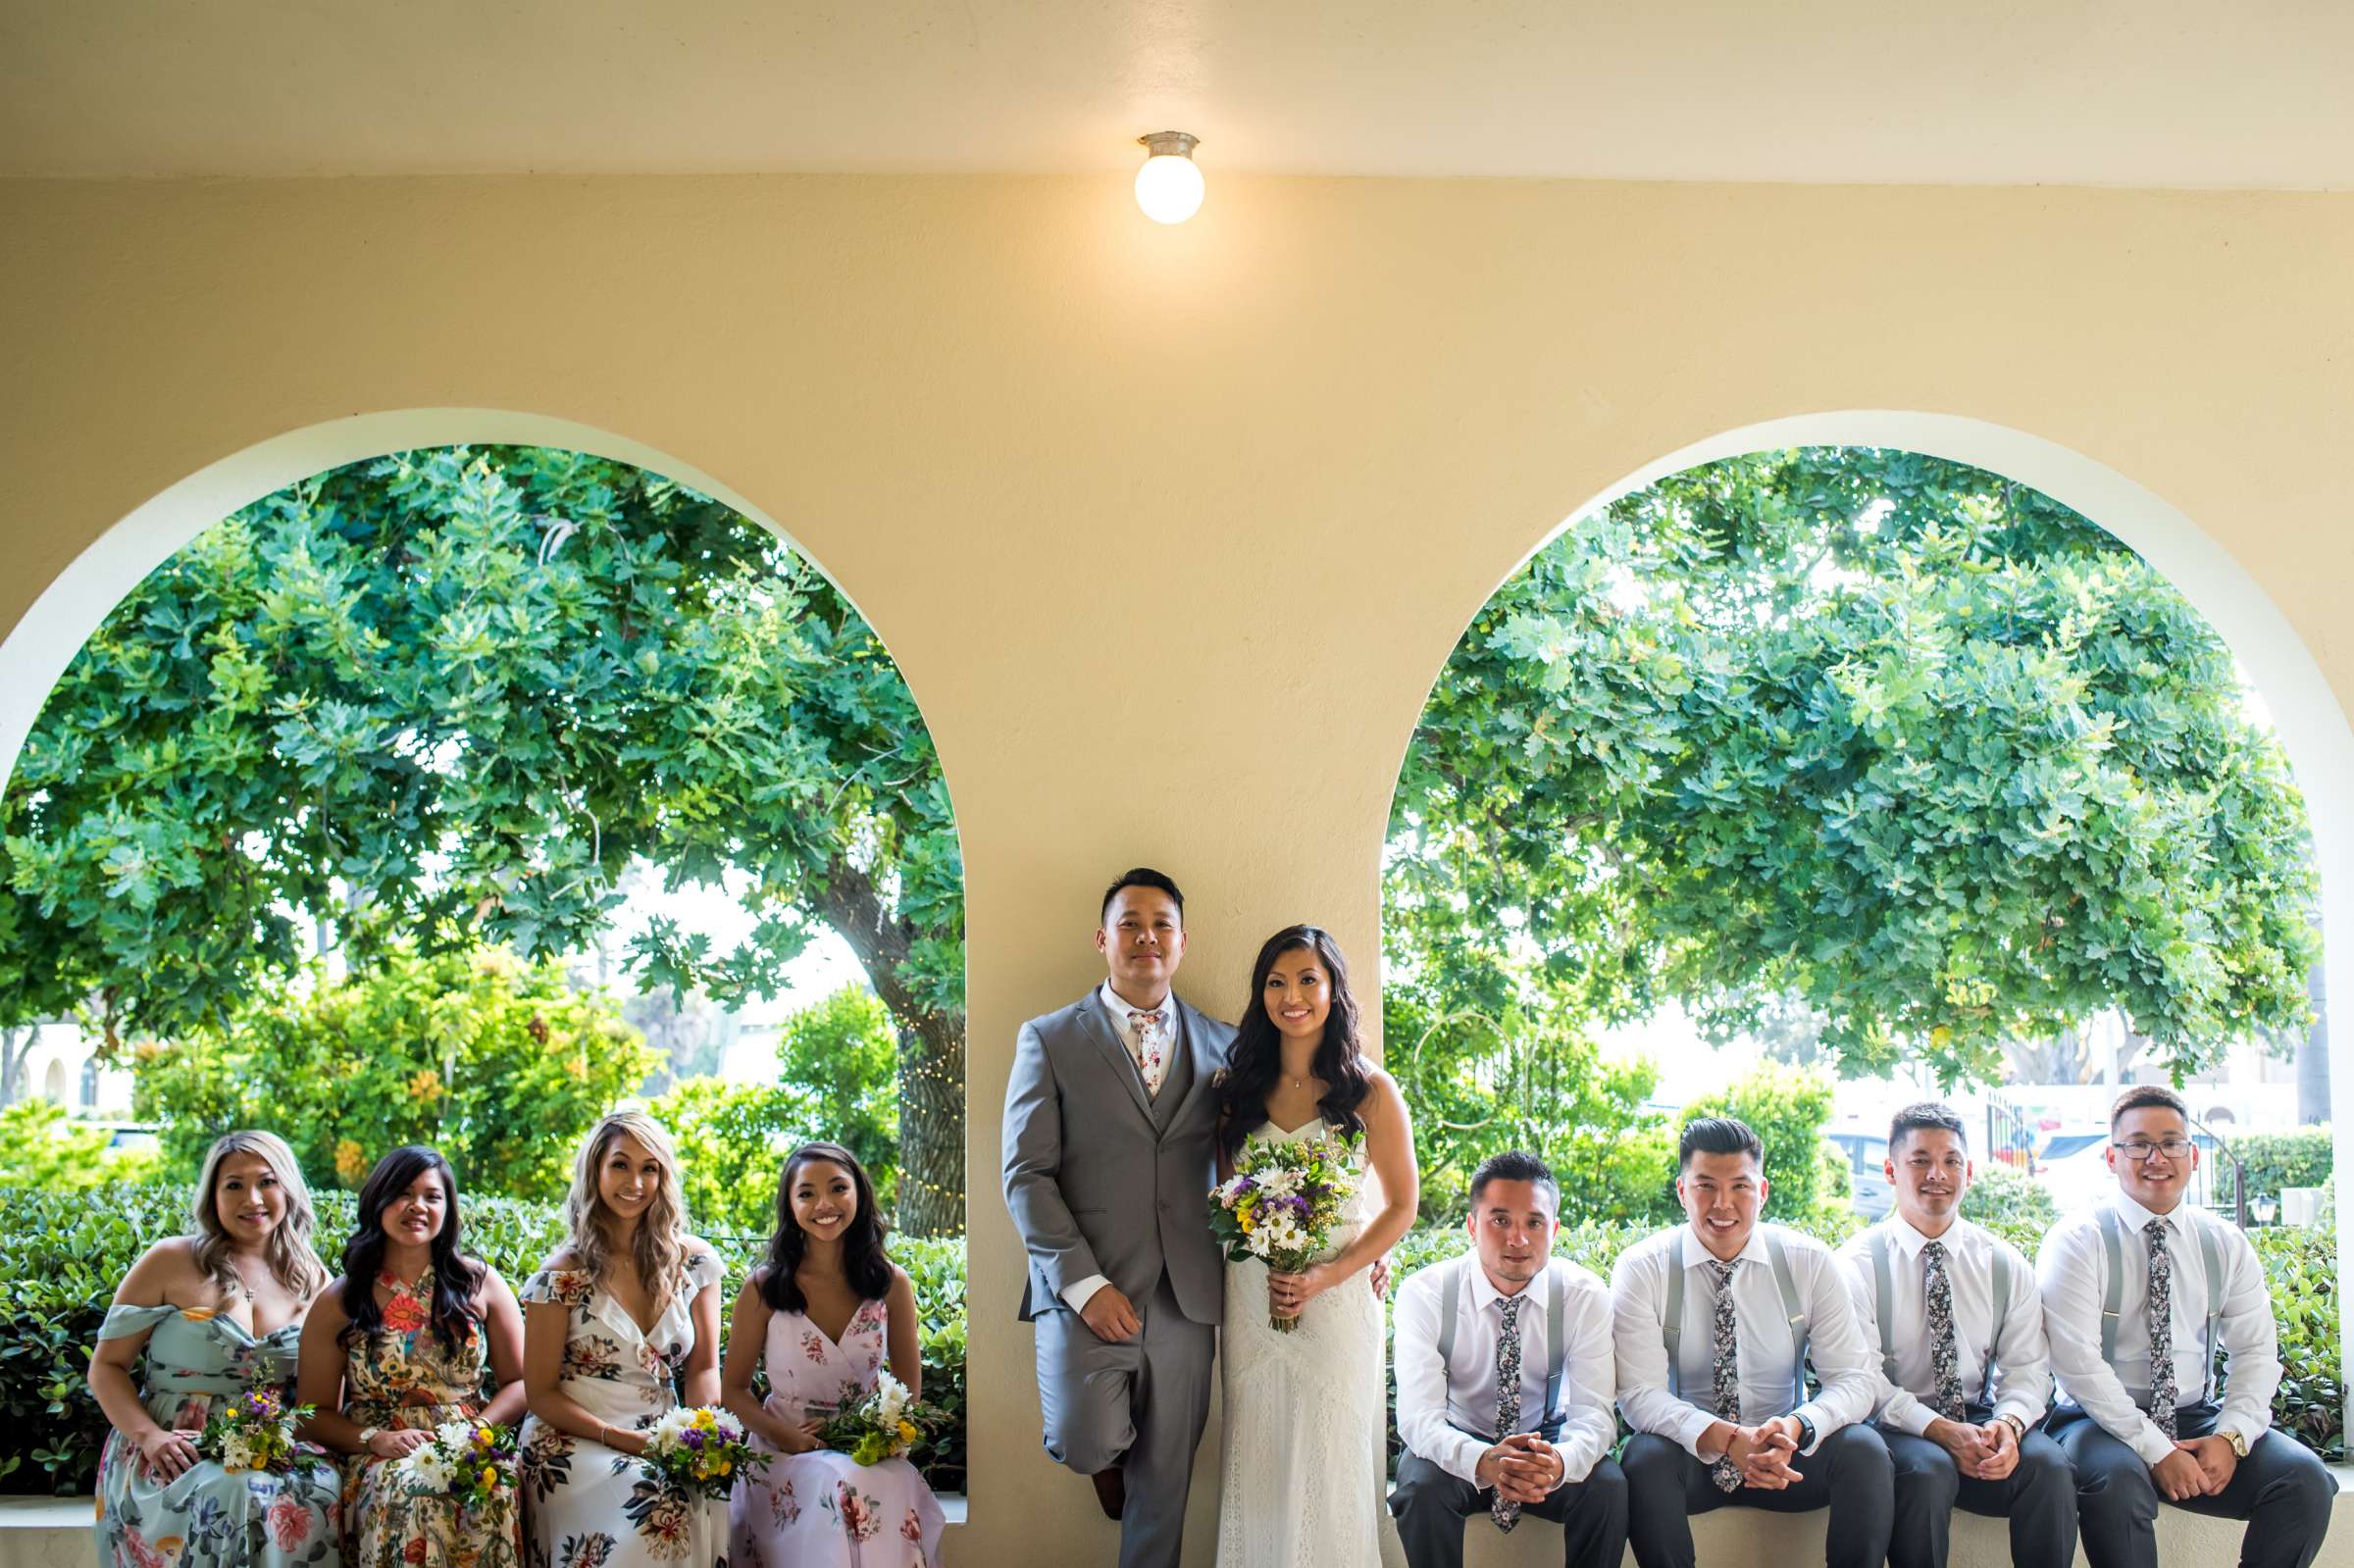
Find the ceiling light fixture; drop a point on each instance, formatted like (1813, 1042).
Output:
(1169, 185)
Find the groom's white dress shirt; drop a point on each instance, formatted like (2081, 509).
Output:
(2023, 1361)
(1768, 1379)
(2074, 1278)
(1443, 1404)
(1078, 1292)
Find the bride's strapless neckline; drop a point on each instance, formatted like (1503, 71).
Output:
(1290, 1132)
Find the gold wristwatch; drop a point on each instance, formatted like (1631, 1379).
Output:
(2240, 1443)
(2018, 1428)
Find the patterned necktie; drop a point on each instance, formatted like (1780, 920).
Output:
(2162, 1328)
(1508, 1398)
(1151, 1051)
(1945, 1356)
(1725, 1373)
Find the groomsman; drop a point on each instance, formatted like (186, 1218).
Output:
(1504, 1382)
(1715, 1324)
(1965, 1370)
(2138, 1296)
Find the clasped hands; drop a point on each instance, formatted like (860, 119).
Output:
(2199, 1467)
(1524, 1468)
(1988, 1452)
(1763, 1452)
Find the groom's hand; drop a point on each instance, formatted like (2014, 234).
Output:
(1379, 1275)
(1109, 1315)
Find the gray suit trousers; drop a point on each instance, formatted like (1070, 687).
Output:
(1141, 1404)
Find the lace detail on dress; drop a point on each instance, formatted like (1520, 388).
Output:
(1301, 1468)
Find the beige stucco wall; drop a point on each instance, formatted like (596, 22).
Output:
(1232, 488)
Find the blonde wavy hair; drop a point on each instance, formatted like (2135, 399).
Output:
(288, 1251)
(659, 1248)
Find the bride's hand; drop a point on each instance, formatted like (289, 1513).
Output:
(1288, 1294)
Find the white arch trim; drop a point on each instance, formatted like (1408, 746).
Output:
(2311, 722)
(53, 629)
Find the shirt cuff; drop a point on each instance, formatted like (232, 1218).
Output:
(1689, 1427)
(1909, 1415)
(1458, 1455)
(2248, 1431)
(1076, 1295)
(2151, 1443)
(2028, 1411)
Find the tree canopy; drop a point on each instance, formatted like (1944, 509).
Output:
(1889, 738)
(442, 699)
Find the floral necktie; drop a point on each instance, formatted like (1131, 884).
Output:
(2162, 1328)
(1507, 1399)
(1945, 1356)
(1151, 1051)
(1725, 1375)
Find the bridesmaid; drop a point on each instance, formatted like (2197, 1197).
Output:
(614, 1323)
(395, 1348)
(823, 1314)
(217, 1311)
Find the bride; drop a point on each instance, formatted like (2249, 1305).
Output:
(1302, 1450)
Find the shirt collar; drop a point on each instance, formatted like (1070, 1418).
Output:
(1484, 1294)
(1693, 1253)
(2137, 1218)
(1910, 1242)
(1119, 1008)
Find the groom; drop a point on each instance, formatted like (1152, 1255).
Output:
(1110, 1118)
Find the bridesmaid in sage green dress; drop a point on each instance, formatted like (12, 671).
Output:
(216, 1311)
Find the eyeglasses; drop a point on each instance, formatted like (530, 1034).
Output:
(2139, 1151)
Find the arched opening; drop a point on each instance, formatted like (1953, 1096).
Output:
(862, 893)
(2309, 724)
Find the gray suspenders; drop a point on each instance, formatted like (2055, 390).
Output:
(2113, 1244)
(1557, 1342)
(1672, 1318)
(1883, 1272)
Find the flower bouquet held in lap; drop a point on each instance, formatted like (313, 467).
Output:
(884, 1425)
(1281, 1204)
(466, 1460)
(698, 1450)
(254, 1431)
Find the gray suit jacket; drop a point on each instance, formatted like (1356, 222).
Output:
(1103, 1180)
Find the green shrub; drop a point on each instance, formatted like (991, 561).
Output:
(2300, 1268)
(62, 1255)
(41, 1146)
(2274, 1160)
(2016, 1208)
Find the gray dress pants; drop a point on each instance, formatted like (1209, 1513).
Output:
(1141, 1404)
(1848, 1472)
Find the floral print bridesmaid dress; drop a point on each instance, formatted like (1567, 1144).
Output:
(211, 1517)
(402, 1377)
(825, 1509)
(589, 1506)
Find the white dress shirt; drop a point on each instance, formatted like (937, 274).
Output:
(1443, 1404)
(2023, 1361)
(2074, 1270)
(1761, 1336)
(1078, 1292)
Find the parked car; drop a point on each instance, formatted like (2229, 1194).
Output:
(1866, 1154)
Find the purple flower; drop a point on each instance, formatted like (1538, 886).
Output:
(695, 1439)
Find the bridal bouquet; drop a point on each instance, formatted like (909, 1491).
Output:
(698, 1449)
(881, 1426)
(1282, 1203)
(253, 1430)
(467, 1460)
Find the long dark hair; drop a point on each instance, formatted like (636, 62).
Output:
(1255, 1060)
(456, 1277)
(863, 1260)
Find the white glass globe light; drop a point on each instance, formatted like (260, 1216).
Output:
(1169, 185)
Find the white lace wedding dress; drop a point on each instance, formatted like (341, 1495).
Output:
(1302, 1455)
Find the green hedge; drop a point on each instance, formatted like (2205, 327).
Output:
(2274, 1160)
(62, 1255)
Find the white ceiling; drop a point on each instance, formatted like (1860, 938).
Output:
(2104, 92)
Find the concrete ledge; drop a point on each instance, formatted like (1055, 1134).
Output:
(1737, 1536)
(55, 1531)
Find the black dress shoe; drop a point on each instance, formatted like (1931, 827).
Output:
(1111, 1491)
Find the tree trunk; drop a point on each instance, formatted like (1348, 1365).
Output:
(2313, 1054)
(12, 1059)
(931, 1055)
